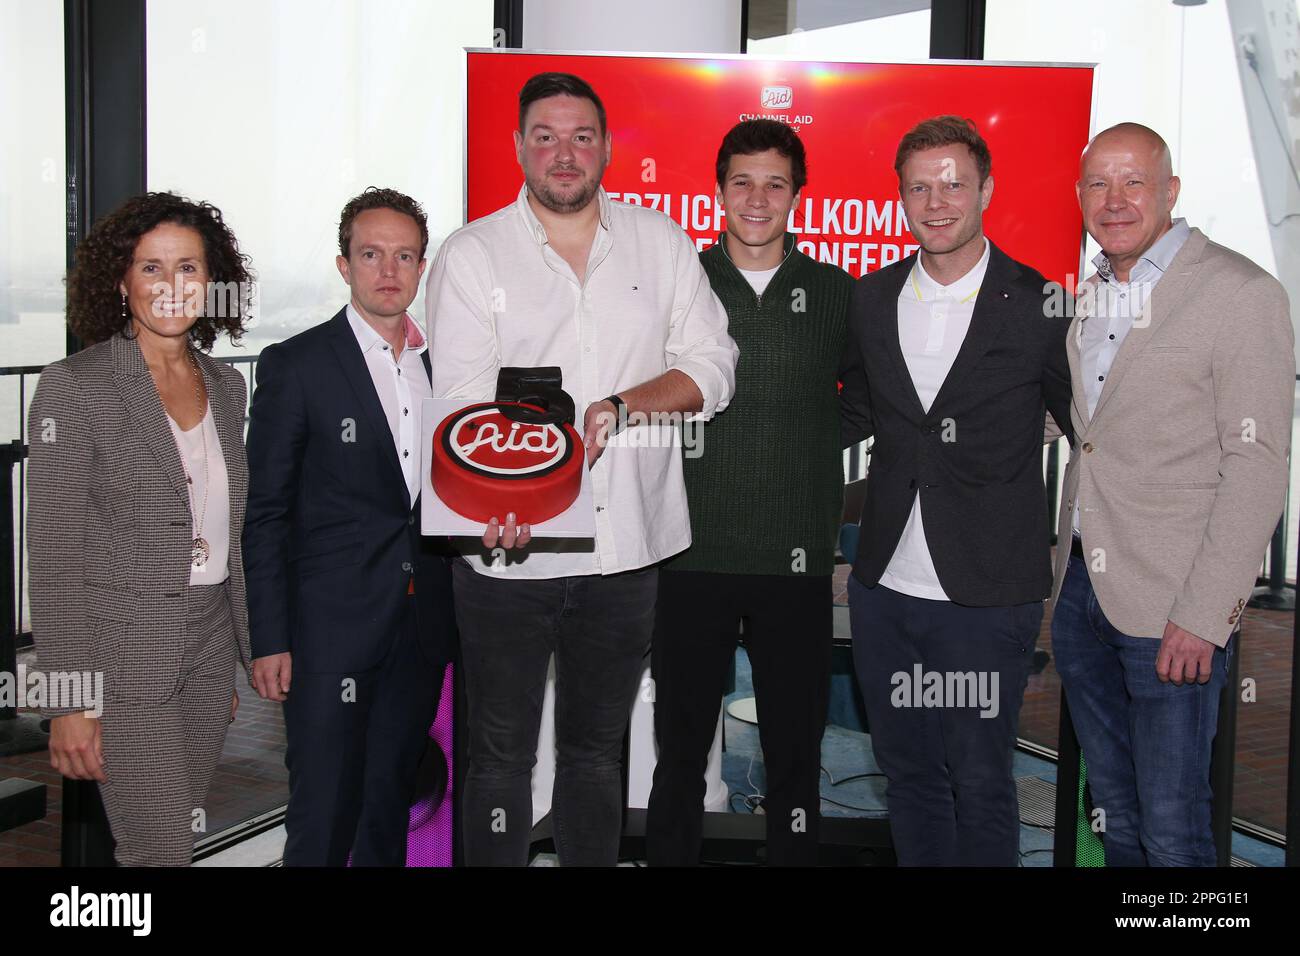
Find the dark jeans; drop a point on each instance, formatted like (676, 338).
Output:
(941, 731)
(598, 628)
(353, 753)
(1146, 742)
(788, 639)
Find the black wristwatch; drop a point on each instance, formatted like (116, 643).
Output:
(620, 413)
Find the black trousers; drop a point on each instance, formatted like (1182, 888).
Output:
(787, 623)
(943, 684)
(598, 628)
(354, 743)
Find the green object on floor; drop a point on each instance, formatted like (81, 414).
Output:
(1088, 850)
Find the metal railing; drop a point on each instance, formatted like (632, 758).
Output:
(13, 454)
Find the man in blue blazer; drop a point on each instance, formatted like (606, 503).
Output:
(350, 609)
(953, 361)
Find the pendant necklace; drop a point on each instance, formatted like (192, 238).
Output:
(199, 550)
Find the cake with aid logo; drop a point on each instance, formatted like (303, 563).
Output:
(493, 458)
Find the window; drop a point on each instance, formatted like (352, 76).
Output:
(32, 328)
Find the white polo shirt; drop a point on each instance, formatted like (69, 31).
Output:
(933, 320)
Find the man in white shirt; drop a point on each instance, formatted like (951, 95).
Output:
(951, 363)
(614, 296)
(350, 609)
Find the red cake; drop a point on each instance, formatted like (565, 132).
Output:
(487, 464)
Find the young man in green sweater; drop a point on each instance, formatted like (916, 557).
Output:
(765, 498)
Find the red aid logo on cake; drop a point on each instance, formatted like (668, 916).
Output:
(486, 464)
(487, 440)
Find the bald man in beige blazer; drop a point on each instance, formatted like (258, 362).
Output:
(1183, 372)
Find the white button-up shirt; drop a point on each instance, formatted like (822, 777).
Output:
(499, 295)
(402, 385)
(933, 320)
(1115, 306)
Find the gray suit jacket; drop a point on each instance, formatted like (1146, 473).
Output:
(1181, 470)
(109, 527)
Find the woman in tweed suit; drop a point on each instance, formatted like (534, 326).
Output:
(138, 482)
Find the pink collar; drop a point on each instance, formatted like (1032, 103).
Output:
(414, 337)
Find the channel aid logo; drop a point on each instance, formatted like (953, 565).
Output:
(776, 98)
(776, 102)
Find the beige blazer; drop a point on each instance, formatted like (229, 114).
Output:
(109, 525)
(1181, 471)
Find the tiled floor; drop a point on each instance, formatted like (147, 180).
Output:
(251, 777)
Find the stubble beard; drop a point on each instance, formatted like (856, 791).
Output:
(558, 204)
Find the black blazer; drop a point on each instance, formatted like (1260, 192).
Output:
(331, 539)
(982, 493)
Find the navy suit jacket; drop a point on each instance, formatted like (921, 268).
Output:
(331, 539)
(976, 457)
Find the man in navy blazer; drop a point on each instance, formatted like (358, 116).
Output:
(350, 609)
(953, 360)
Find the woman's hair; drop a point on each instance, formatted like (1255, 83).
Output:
(105, 255)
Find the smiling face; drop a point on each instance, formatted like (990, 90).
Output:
(383, 266)
(758, 194)
(1127, 192)
(166, 283)
(562, 152)
(943, 198)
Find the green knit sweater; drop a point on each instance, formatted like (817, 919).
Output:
(766, 493)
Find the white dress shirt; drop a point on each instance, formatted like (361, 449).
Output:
(402, 385)
(209, 487)
(1105, 324)
(933, 320)
(500, 295)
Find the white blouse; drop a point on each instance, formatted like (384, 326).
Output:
(216, 515)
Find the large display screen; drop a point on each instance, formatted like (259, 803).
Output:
(667, 116)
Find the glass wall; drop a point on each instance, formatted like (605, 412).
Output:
(32, 162)
(32, 330)
(308, 102)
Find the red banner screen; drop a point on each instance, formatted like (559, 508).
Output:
(668, 115)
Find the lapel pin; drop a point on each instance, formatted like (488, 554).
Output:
(1005, 295)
